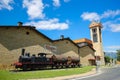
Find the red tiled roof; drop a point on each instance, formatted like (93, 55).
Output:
(83, 40)
(95, 24)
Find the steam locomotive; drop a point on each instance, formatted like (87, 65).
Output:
(44, 61)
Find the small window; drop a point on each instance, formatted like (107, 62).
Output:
(27, 33)
(94, 30)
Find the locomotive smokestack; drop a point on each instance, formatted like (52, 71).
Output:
(23, 52)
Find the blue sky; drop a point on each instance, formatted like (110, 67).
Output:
(70, 18)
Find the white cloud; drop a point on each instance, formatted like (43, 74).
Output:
(118, 19)
(90, 16)
(66, 1)
(111, 51)
(56, 3)
(51, 24)
(114, 27)
(113, 47)
(110, 13)
(106, 24)
(46, 5)
(95, 16)
(5, 4)
(34, 8)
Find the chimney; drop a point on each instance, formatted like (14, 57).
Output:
(62, 37)
(33, 27)
(23, 52)
(20, 23)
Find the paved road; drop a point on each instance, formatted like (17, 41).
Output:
(107, 74)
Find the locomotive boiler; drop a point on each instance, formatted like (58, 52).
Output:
(45, 61)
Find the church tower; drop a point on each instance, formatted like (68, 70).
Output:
(96, 37)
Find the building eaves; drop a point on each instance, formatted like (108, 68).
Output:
(90, 47)
(66, 39)
(30, 27)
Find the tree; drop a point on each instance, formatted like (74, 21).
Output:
(118, 54)
(107, 59)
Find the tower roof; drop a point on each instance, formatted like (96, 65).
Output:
(95, 24)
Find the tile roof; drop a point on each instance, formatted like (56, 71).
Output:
(95, 24)
(83, 40)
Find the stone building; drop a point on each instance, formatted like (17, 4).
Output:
(14, 38)
(87, 56)
(66, 47)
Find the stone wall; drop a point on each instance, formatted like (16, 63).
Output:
(66, 48)
(13, 39)
(86, 53)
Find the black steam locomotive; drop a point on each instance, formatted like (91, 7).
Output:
(42, 61)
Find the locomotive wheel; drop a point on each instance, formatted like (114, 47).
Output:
(72, 66)
(78, 65)
(61, 66)
(24, 67)
(52, 67)
(31, 68)
(56, 66)
(67, 66)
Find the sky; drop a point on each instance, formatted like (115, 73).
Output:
(70, 18)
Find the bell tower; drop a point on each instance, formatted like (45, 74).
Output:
(96, 37)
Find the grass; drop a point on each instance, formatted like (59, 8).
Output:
(21, 75)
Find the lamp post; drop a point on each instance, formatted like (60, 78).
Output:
(97, 63)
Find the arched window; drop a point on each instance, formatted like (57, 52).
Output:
(94, 30)
(95, 38)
